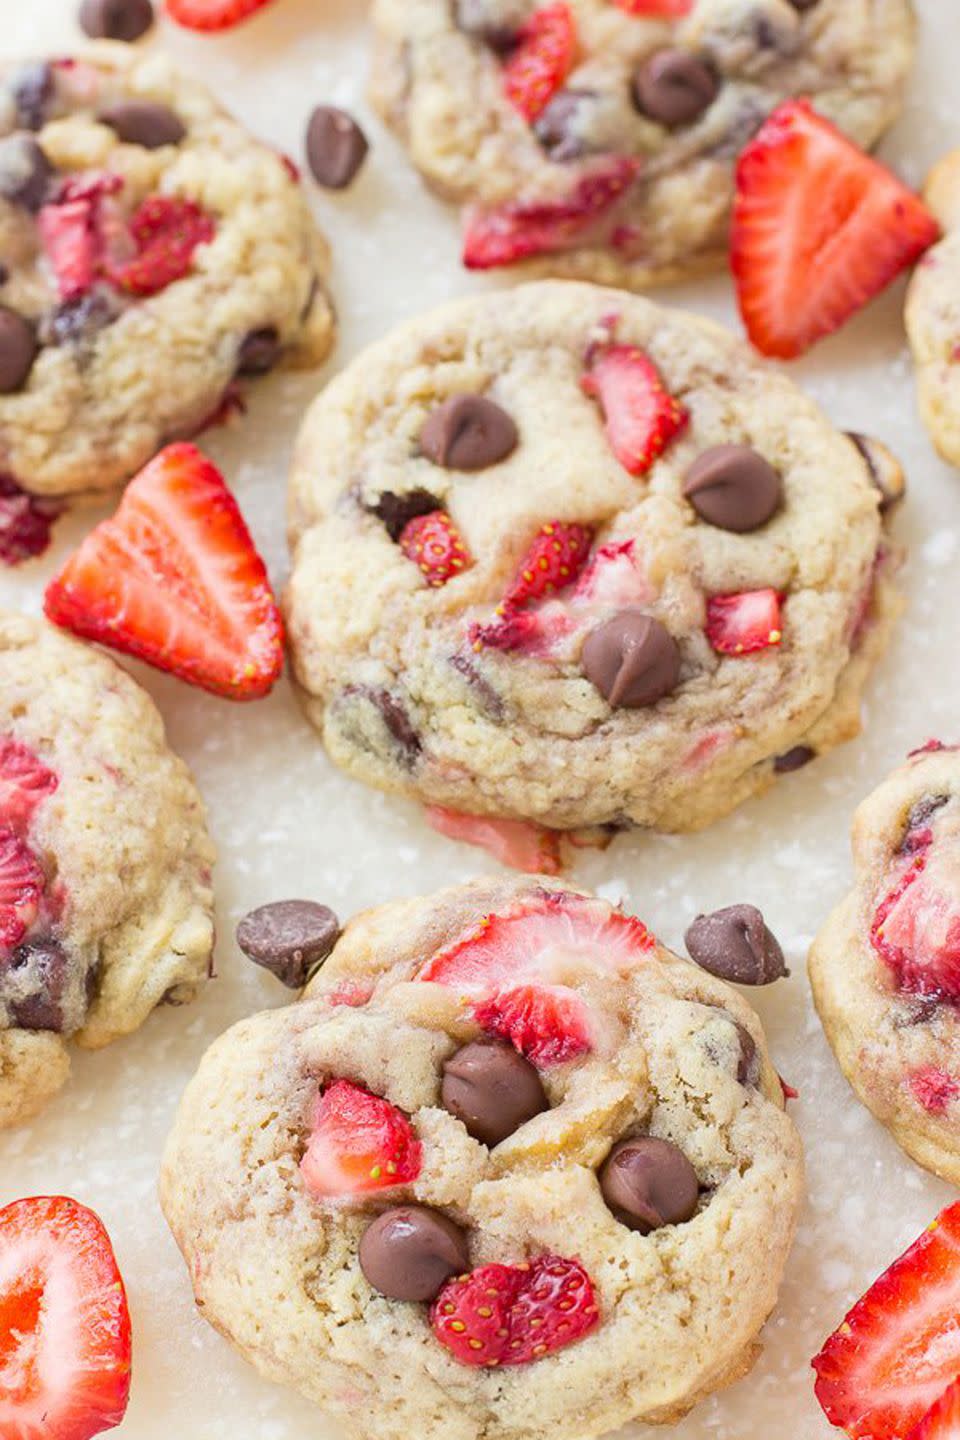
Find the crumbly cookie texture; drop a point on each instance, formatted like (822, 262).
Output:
(933, 314)
(105, 897)
(884, 966)
(275, 1268)
(415, 686)
(602, 185)
(134, 355)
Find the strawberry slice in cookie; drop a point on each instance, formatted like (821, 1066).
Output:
(640, 415)
(24, 782)
(514, 1314)
(541, 60)
(21, 887)
(916, 927)
(358, 1143)
(744, 623)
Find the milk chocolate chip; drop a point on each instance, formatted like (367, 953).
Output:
(735, 944)
(468, 432)
(674, 87)
(144, 123)
(649, 1183)
(18, 350)
(124, 20)
(884, 469)
(336, 147)
(290, 938)
(734, 488)
(25, 171)
(492, 1089)
(794, 759)
(632, 659)
(409, 1253)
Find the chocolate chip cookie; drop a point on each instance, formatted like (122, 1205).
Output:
(509, 1169)
(105, 861)
(885, 968)
(154, 254)
(562, 556)
(599, 138)
(933, 314)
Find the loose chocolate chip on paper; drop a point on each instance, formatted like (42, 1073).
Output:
(411, 1251)
(649, 1183)
(125, 20)
(734, 488)
(492, 1089)
(468, 432)
(632, 659)
(336, 147)
(290, 938)
(18, 350)
(674, 87)
(735, 944)
(144, 123)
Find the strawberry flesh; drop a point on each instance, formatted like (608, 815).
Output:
(25, 522)
(656, 9)
(21, 888)
(358, 1143)
(514, 1314)
(518, 843)
(212, 14)
(942, 1420)
(744, 623)
(933, 1088)
(553, 561)
(435, 546)
(541, 61)
(640, 416)
(24, 782)
(547, 1024)
(916, 927)
(166, 230)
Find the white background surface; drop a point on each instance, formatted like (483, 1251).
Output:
(288, 824)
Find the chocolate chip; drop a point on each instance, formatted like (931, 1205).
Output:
(18, 350)
(123, 20)
(632, 659)
(794, 759)
(735, 944)
(487, 697)
(410, 1252)
(920, 814)
(492, 1089)
(290, 938)
(885, 470)
(674, 87)
(25, 171)
(734, 488)
(40, 966)
(474, 17)
(649, 1183)
(802, 5)
(468, 432)
(396, 511)
(143, 123)
(4, 273)
(748, 1068)
(32, 88)
(76, 320)
(556, 126)
(258, 351)
(398, 723)
(336, 147)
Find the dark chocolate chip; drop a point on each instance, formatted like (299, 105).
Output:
(290, 938)
(632, 659)
(556, 126)
(885, 470)
(649, 1183)
(32, 88)
(489, 699)
(916, 835)
(734, 488)
(794, 759)
(802, 5)
(336, 147)
(410, 1252)
(123, 20)
(4, 273)
(396, 511)
(258, 351)
(474, 18)
(468, 432)
(492, 1089)
(674, 87)
(42, 965)
(18, 350)
(24, 171)
(144, 123)
(735, 944)
(79, 319)
(398, 723)
(748, 1067)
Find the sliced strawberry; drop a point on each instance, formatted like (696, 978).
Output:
(942, 1421)
(358, 1143)
(69, 238)
(656, 9)
(548, 1024)
(64, 1324)
(435, 545)
(933, 1088)
(542, 60)
(25, 522)
(899, 1347)
(553, 561)
(212, 14)
(613, 578)
(174, 579)
(916, 928)
(529, 632)
(641, 416)
(742, 624)
(819, 228)
(24, 782)
(21, 886)
(523, 229)
(166, 231)
(518, 843)
(513, 1314)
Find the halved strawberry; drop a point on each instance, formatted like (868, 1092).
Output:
(358, 1143)
(64, 1324)
(916, 927)
(526, 228)
(166, 231)
(549, 1024)
(435, 545)
(819, 228)
(641, 417)
(212, 14)
(518, 843)
(744, 623)
(553, 561)
(942, 1421)
(24, 782)
(657, 9)
(899, 1347)
(21, 887)
(541, 61)
(174, 578)
(513, 1314)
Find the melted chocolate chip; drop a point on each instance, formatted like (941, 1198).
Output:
(25, 171)
(398, 723)
(649, 1183)
(556, 126)
(124, 20)
(487, 697)
(632, 659)
(748, 1068)
(468, 432)
(473, 18)
(143, 123)
(735, 944)
(396, 511)
(794, 759)
(336, 147)
(32, 89)
(674, 87)
(258, 351)
(734, 488)
(916, 835)
(79, 319)
(885, 470)
(410, 1252)
(42, 966)
(18, 350)
(290, 938)
(492, 1089)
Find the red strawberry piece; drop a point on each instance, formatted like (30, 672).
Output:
(531, 632)
(553, 561)
(933, 1088)
(819, 228)
(519, 843)
(64, 1324)
(166, 231)
(542, 60)
(21, 886)
(547, 1024)
(69, 238)
(641, 416)
(942, 1420)
(929, 747)
(434, 544)
(24, 782)
(174, 578)
(513, 1314)
(613, 578)
(526, 228)
(212, 14)
(657, 9)
(25, 522)
(899, 1347)
(916, 928)
(358, 1143)
(744, 623)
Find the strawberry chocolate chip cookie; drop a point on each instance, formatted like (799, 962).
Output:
(105, 861)
(599, 138)
(154, 253)
(563, 559)
(508, 1168)
(885, 968)
(933, 314)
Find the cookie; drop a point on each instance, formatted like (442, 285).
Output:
(598, 139)
(933, 314)
(510, 1168)
(885, 968)
(105, 861)
(563, 556)
(153, 253)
